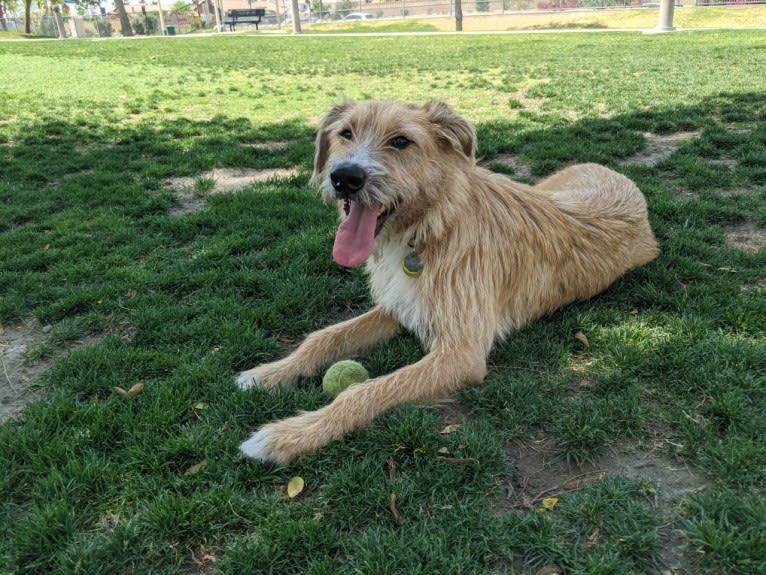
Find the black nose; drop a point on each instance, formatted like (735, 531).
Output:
(348, 178)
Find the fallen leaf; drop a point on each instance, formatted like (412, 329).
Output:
(550, 570)
(582, 338)
(451, 428)
(442, 451)
(394, 511)
(457, 459)
(121, 391)
(295, 487)
(196, 468)
(550, 502)
(135, 390)
(392, 470)
(593, 538)
(200, 405)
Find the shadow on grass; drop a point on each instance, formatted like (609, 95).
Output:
(104, 482)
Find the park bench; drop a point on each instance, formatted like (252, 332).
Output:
(234, 17)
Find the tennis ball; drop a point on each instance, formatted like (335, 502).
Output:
(342, 374)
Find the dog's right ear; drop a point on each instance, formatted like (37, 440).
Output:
(453, 128)
(322, 139)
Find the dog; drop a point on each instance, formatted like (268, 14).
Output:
(456, 254)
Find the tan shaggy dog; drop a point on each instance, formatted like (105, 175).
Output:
(455, 253)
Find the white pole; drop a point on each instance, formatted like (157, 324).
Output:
(666, 16)
(162, 20)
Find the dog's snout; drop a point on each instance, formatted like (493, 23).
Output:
(347, 178)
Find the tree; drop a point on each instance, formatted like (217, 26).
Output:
(28, 16)
(3, 12)
(181, 8)
(296, 17)
(458, 16)
(125, 28)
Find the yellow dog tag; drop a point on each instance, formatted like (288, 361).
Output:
(412, 265)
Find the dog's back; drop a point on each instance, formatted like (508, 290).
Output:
(595, 228)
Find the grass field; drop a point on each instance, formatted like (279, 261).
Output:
(157, 228)
(687, 17)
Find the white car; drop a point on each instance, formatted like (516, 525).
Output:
(358, 16)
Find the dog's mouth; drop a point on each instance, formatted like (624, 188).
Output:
(356, 234)
(383, 214)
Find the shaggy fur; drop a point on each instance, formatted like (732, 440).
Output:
(495, 254)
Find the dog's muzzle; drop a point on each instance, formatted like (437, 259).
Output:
(348, 179)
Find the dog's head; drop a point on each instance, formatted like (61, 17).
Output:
(383, 162)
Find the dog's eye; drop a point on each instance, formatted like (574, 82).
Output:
(400, 142)
(346, 134)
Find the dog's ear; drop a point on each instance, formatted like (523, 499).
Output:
(453, 128)
(322, 143)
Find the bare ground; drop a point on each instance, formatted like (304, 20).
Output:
(17, 372)
(537, 474)
(191, 196)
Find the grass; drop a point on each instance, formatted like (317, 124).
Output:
(94, 482)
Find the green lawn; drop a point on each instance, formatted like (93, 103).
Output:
(637, 450)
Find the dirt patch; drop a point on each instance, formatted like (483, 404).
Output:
(520, 170)
(537, 475)
(268, 146)
(16, 369)
(659, 148)
(747, 236)
(192, 192)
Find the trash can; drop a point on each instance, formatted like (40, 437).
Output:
(170, 30)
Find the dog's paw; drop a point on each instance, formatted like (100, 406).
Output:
(259, 447)
(269, 375)
(287, 439)
(247, 379)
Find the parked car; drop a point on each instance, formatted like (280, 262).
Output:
(358, 16)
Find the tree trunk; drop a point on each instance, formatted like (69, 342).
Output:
(458, 16)
(296, 18)
(125, 28)
(2, 17)
(28, 16)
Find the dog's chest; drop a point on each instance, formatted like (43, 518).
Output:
(395, 291)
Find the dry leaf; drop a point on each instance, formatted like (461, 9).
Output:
(121, 391)
(196, 468)
(550, 502)
(394, 511)
(451, 428)
(135, 390)
(550, 570)
(581, 337)
(295, 487)
(392, 470)
(200, 405)
(442, 451)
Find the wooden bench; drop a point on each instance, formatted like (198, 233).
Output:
(234, 17)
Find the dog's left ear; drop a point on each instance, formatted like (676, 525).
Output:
(453, 128)
(320, 155)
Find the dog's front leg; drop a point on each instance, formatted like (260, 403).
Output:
(439, 374)
(323, 347)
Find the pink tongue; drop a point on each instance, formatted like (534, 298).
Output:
(356, 236)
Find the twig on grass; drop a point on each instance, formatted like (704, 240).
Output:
(8, 378)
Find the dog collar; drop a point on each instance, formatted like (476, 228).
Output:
(412, 265)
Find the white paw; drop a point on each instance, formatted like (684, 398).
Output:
(247, 379)
(259, 446)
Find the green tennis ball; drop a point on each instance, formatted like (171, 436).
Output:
(342, 374)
